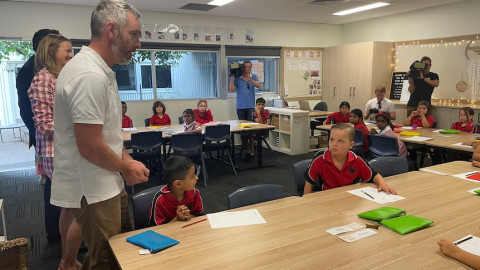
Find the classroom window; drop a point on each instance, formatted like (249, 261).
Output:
(178, 75)
(266, 70)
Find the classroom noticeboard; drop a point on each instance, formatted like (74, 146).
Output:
(397, 84)
(302, 72)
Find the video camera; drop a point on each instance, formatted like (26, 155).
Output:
(236, 69)
(373, 110)
(416, 69)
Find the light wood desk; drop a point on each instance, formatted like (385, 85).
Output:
(314, 114)
(294, 236)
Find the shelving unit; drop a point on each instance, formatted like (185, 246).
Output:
(292, 133)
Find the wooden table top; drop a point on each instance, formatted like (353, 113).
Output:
(319, 113)
(178, 128)
(294, 236)
(439, 139)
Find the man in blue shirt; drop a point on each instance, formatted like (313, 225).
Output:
(245, 86)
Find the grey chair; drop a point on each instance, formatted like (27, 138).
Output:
(254, 194)
(388, 166)
(142, 203)
(299, 170)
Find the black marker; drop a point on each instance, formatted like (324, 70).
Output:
(463, 240)
(368, 194)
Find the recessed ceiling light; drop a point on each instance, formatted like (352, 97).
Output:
(219, 2)
(362, 8)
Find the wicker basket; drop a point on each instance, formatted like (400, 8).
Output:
(13, 254)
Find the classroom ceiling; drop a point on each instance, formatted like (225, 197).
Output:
(311, 11)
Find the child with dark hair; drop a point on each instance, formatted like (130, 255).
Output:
(385, 126)
(421, 117)
(126, 120)
(261, 116)
(203, 115)
(465, 123)
(189, 123)
(179, 199)
(341, 116)
(356, 119)
(159, 116)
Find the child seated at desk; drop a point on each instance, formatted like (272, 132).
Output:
(448, 248)
(385, 128)
(126, 121)
(339, 167)
(356, 119)
(260, 116)
(476, 154)
(343, 116)
(189, 123)
(465, 123)
(421, 117)
(203, 115)
(179, 199)
(159, 117)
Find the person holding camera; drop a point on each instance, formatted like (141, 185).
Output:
(421, 83)
(245, 84)
(379, 104)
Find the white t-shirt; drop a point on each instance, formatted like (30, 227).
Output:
(86, 92)
(386, 104)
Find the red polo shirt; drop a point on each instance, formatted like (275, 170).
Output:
(469, 127)
(417, 120)
(323, 169)
(338, 117)
(165, 205)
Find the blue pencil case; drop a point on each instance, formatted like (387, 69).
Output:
(152, 241)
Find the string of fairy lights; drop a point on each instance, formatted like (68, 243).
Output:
(470, 42)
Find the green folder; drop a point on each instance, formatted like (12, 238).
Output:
(382, 213)
(406, 224)
(449, 131)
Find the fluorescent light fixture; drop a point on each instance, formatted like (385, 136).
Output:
(362, 8)
(220, 2)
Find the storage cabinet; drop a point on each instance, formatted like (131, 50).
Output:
(351, 72)
(292, 131)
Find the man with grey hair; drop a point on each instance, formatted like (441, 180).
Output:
(90, 159)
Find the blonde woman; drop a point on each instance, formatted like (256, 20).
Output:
(53, 52)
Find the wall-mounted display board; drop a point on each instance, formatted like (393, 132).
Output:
(301, 73)
(397, 84)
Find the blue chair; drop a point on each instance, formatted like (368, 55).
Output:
(358, 143)
(147, 122)
(147, 148)
(299, 170)
(382, 146)
(190, 145)
(388, 166)
(217, 138)
(142, 203)
(254, 194)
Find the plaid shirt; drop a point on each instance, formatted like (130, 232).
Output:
(41, 94)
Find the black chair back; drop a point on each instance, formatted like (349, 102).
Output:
(217, 136)
(388, 166)
(358, 143)
(254, 194)
(147, 122)
(299, 170)
(142, 203)
(190, 145)
(180, 120)
(146, 143)
(382, 146)
(321, 106)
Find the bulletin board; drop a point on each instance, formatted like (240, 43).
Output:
(301, 73)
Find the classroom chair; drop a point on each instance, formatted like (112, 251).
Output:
(147, 148)
(217, 138)
(190, 145)
(388, 166)
(147, 122)
(318, 121)
(382, 146)
(358, 143)
(180, 120)
(299, 179)
(254, 194)
(142, 203)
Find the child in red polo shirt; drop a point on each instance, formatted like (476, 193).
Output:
(260, 116)
(341, 116)
(465, 123)
(421, 117)
(126, 121)
(338, 166)
(179, 199)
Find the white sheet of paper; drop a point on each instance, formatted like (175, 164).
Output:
(462, 145)
(129, 129)
(418, 139)
(473, 190)
(346, 228)
(432, 171)
(357, 235)
(464, 176)
(378, 197)
(234, 219)
(471, 245)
